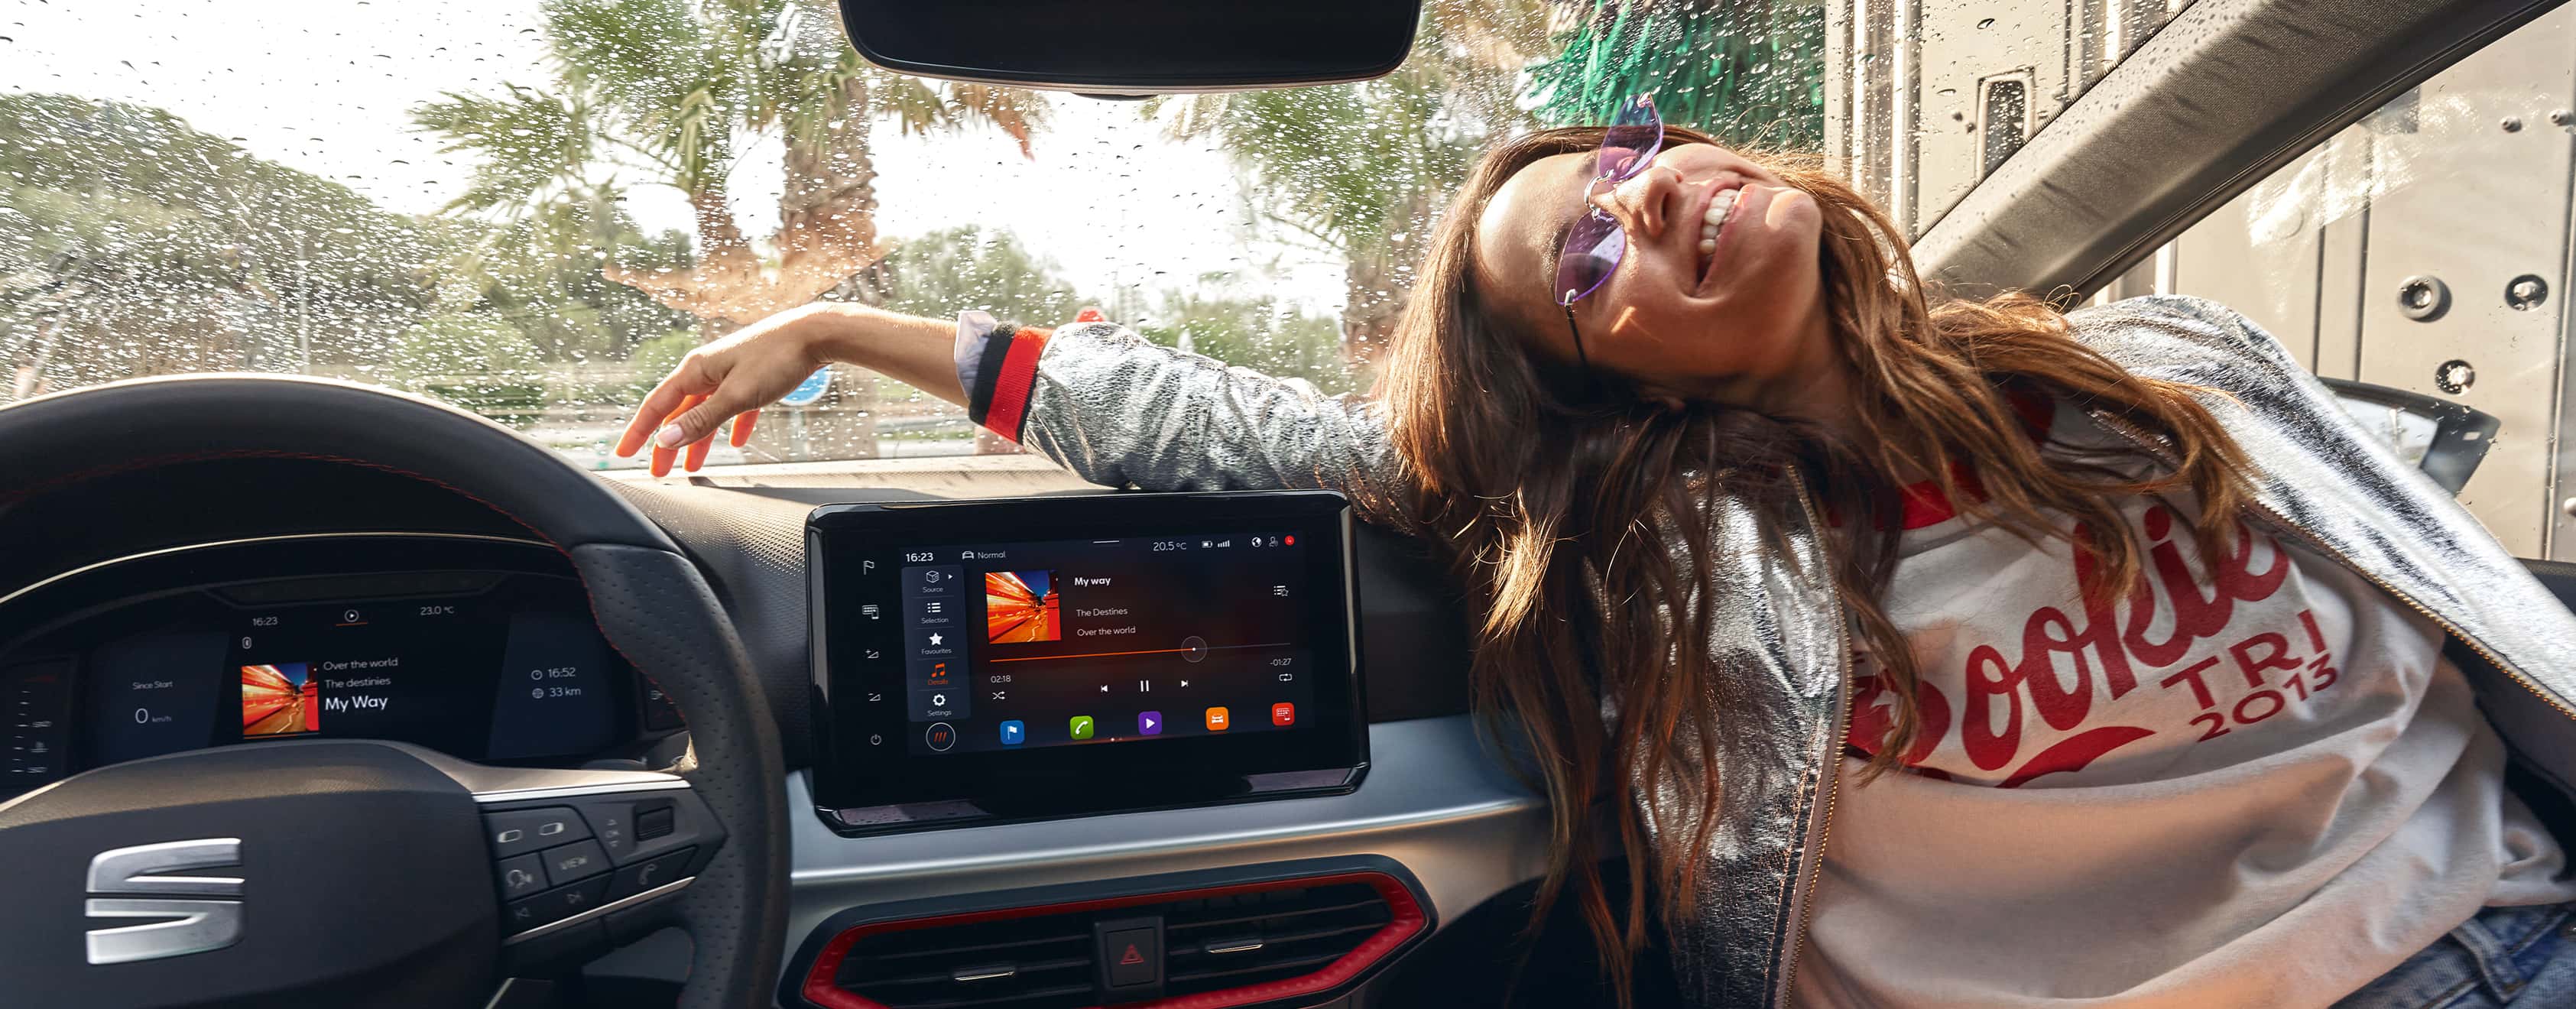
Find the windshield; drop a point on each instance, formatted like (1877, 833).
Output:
(533, 210)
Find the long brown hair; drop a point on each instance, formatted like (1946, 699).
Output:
(1573, 514)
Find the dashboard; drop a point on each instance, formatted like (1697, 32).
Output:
(230, 623)
(481, 648)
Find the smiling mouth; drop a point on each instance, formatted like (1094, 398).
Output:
(1721, 209)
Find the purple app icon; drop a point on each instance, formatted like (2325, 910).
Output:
(1149, 723)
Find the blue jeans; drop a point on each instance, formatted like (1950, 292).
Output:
(2506, 956)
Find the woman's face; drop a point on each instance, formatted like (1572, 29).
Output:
(1739, 322)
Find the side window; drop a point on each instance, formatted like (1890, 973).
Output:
(2426, 249)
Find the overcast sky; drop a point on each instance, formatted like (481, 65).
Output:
(325, 87)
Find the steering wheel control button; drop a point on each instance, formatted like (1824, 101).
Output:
(650, 873)
(578, 860)
(521, 876)
(612, 823)
(520, 831)
(555, 905)
(652, 824)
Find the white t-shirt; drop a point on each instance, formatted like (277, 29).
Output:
(2263, 789)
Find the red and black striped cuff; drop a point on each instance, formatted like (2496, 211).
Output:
(1007, 367)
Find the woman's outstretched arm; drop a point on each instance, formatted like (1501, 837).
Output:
(737, 375)
(1093, 396)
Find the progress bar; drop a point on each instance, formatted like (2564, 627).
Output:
(1143, 651)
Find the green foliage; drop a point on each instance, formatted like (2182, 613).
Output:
(1259, 333)
(1349, 164)
(131, 244)
(459, 346)
(656, 357)
(945, 272)
(543, 274)
(1752, 73)
(1361, 170)
(476, 360)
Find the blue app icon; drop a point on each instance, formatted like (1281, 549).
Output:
(1149, 723)
(1014, 733)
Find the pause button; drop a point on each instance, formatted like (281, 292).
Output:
(940, 737)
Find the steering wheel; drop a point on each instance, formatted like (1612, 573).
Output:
(362, 873)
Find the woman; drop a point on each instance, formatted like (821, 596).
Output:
(1969, 655)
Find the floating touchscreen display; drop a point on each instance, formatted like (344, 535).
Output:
(1063, 643)
(1083, 649)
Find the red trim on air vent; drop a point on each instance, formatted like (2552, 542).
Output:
(1404, 920)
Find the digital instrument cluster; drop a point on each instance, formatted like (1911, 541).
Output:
(492, 666)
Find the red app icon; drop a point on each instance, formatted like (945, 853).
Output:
(1283, 713)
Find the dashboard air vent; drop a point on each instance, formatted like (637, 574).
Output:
(1243, 939)
(1233, 944)
(1011, 963)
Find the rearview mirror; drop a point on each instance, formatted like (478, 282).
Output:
(1134, 47)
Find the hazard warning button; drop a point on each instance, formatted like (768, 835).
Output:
(1133, 957)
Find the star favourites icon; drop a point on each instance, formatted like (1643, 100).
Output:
(934, 639)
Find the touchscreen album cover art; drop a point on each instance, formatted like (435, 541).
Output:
(1020, 607)
(279, 700)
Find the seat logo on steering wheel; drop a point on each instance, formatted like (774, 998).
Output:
(191, 924)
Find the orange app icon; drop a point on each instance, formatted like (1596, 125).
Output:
(1283, 713)
(1217, 720)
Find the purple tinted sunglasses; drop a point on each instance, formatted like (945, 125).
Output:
(1595, 243)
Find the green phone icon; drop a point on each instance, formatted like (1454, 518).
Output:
(1081, 726)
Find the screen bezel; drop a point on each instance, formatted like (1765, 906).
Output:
(1064, 780)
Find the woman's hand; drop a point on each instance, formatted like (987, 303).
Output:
(733, 377)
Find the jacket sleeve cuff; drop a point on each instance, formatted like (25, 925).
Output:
(996, 364)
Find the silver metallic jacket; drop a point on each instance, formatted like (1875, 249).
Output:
(1119, 411)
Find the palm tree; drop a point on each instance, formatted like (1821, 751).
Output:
(1359, 170)
(673, 92)
(1749, 71)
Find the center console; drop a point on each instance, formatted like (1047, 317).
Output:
(994, 660)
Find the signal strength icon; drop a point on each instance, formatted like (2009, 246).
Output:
(1225, 543)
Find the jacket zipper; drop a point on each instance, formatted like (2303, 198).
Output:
(1829, 763)
(2283, 522)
